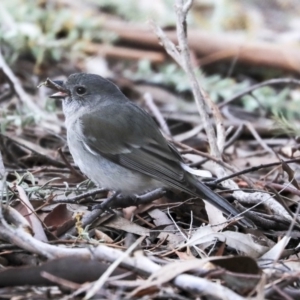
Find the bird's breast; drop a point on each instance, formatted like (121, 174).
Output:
(104, 172)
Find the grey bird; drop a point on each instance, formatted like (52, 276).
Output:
(119, 146)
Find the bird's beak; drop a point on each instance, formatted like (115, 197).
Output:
(62, 93)
(59, 95)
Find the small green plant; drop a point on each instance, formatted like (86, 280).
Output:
(285, 126)
(140, 11)
(17, 119)
(173, 76)
(53, 32)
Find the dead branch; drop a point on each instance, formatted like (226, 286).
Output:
(215, 47)
(116, 52)
(141, 264)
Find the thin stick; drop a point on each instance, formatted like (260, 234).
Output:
(20, 92)
(99, 283)
(183, 59)
(199, 94)
(255, 168)
(157, 114)
(258, 86)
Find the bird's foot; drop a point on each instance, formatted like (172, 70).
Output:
(150, 196)
(107, 203)
(135, 200)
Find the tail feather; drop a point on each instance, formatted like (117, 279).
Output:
(201, 190)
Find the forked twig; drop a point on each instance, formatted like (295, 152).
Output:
(182, 57)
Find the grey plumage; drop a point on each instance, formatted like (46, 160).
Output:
(118, 145)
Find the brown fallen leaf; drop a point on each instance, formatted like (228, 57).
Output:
(60, 219)
(26, 209)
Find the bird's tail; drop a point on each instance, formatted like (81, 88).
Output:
(201, 190)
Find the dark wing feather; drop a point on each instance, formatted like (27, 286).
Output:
(133, 141)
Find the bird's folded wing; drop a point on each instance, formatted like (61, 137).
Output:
(122, 141)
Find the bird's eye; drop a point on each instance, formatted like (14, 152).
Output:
(80, 90)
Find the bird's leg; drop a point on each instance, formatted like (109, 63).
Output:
(135, 200)
(107, 203)
(151, 196)
(119, 200)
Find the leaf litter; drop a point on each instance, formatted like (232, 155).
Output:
(182, 236)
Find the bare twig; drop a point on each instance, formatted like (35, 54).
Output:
(255, 168)
(48, 159)
(160, 119)
(99, 283)
(76, 199)
(218, 161)
(60, 281)
(141, 264)
(258, 86)
(235, 136)
(115, 201)
(2, 172)
(72, 169)
(52, 85)
(258, 138)
(183, 59)
(166, 43)
(181, 9)
(125, 53)
(20, 92)
(279, 187)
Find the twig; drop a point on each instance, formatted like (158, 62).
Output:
(199, 95)
(218, 161)
(258, 138)
(181, 9)
(166, 43)
(115, 201)
(235, 136)
(79, 197)
(54, 85)
(281, 293)
(48, 159)
(220, 130)
(252, 169)
(279, 198)
(141, 264)
(20, 92)
(71, 168)
(278, 187)
(87, 219)
(60, 281)
(259, 85)
(99, 283)
(124, 53)
(160, 119)
(2, 172)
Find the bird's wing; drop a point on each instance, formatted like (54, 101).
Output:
(135, 142)
(132, 141)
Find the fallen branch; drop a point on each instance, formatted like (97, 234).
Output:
(215, 47)
(141, 264)
(116, 52)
